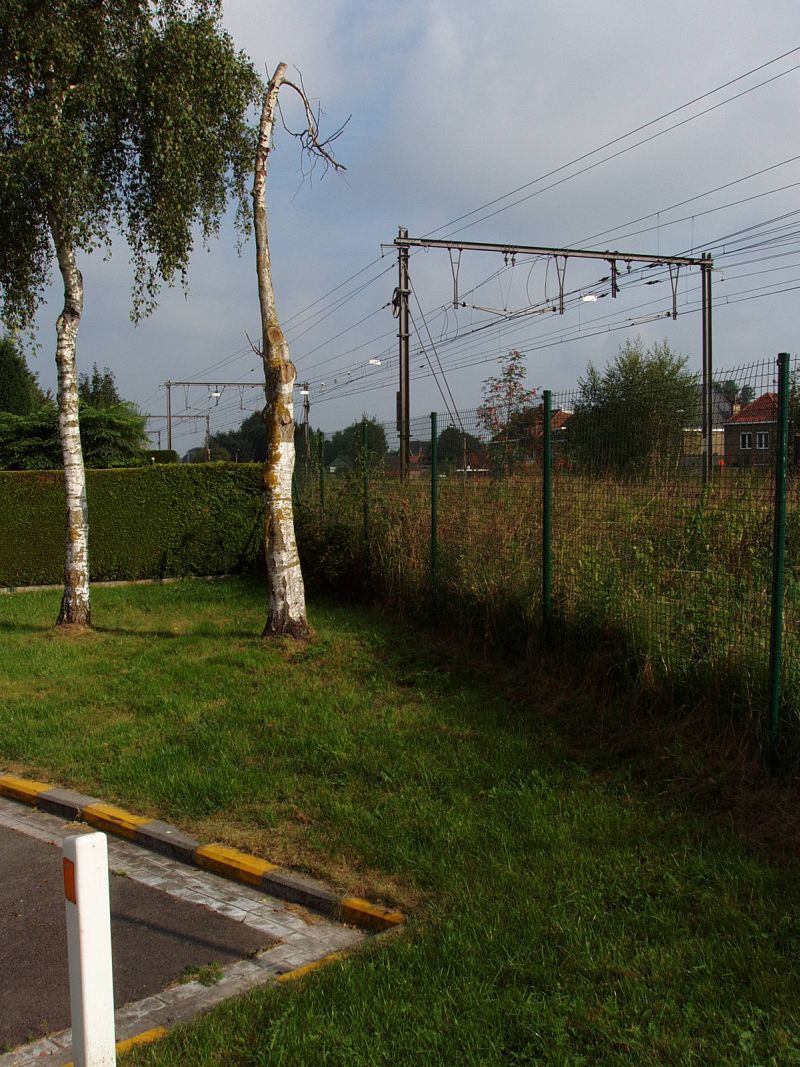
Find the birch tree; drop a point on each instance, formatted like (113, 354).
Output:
(286, 612)
(114, 118)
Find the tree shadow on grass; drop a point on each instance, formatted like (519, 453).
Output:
(50, 630)
(190, 634)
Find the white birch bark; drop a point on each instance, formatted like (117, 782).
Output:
(75, 606)
(287, 606)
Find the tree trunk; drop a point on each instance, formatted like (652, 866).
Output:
(287, 606)
(75, 607)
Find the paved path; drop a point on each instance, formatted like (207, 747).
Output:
(165, 917)
(155, 939)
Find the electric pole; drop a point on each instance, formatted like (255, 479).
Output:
(403, 406)
(561, 256)
(306, 410)
(708, 382)
(169, 415)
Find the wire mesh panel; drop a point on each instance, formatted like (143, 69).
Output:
(662, 512)
(791, 612)
(669, 565)
(489, 507)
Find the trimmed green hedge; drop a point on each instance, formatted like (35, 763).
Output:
(144, 522)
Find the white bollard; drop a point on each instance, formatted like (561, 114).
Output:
(91, 987)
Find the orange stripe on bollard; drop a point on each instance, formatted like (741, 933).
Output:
(69, 881)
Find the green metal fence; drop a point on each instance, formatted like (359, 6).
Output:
(592, 526)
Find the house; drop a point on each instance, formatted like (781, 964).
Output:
(340, 464)
(419, 460)
(750, 433)
(693, 445)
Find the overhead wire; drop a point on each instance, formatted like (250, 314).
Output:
(631, 133)
(438, 361)
(713, 191)
(562, 333)
(623, 137)
(308, 322)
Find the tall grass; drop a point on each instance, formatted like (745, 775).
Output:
(669, 578)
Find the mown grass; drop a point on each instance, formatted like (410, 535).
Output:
(559, 915)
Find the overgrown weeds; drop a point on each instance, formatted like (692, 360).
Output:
(668, 579)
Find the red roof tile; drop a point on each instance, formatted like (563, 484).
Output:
(764, 409)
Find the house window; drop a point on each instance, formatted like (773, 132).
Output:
(745, 441)
(762, 440)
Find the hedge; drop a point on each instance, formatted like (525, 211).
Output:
(144, 522)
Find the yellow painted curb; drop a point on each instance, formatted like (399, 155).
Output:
(142, 1039)
(21, 788)
(362, 913)
(114, 820)
(139, 1039)
(298, 972)
(231, 862)
(228, 862)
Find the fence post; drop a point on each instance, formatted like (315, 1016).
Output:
(91, 985)
(547, 515)
(778, 555)
(321, 452)
(434, 517)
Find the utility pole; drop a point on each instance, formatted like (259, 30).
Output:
(708, 378)
(169, 415)
(561, 255)
(403, 404)
(204, 385)
(170, 419)
(208, 437)
(306, 410)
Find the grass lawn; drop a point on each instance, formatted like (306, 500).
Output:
(561, 915)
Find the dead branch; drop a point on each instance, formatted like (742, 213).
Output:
(310, 137)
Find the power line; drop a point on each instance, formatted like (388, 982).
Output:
(497, 273)
(622, 137)
(336, 305)
(561, 334)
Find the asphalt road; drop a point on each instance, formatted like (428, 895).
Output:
(155, 938)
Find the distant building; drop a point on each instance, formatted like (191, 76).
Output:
(341, 464)
(750, 433)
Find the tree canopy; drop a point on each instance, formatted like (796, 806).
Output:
(248, 444)
(506, 412)
(128, 116)
(457, 448)
(99, 390)
(504, 394)
(349, 442)
(112, 436)
(19, 388)
(630, 418)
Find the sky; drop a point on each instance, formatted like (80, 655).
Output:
(453, 104)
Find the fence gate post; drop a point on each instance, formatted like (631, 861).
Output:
(434, 517)
(778, 555)
(91, 986)
(321, 451)
(365, 457)
(547, 515)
